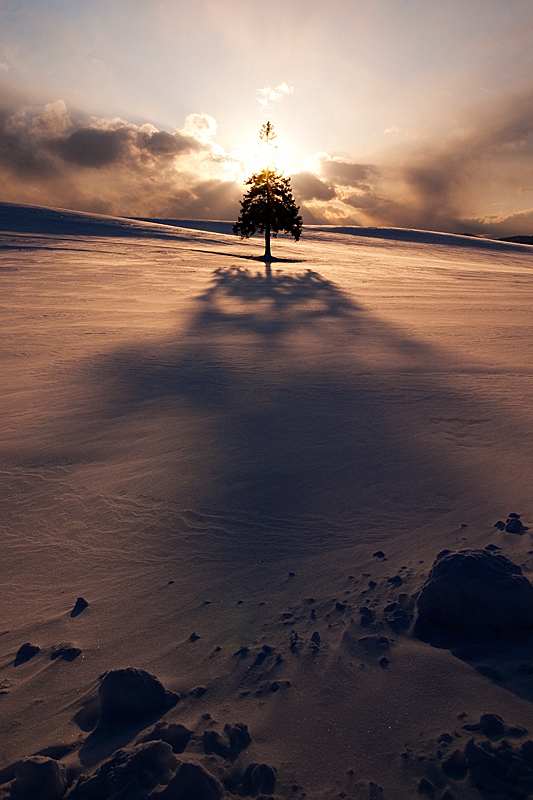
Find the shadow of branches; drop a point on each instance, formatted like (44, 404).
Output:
(285, 398)
(271, 304)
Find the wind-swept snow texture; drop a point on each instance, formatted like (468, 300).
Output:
(247, 479)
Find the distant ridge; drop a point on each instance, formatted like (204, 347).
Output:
(518, 239)
(413, 235)
(45, 220)
(398, 234)
(19, 218)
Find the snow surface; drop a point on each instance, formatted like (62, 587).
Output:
(193, 447)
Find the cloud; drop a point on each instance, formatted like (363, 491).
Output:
(362, 201)
(267, 96)
(486, 159)
(518, 224)
(98, 147)
(396, 130)
(92, 147)
(51, 120)
(307, 186)
(474, 178)
(200, 126)
(477, 177)
(346, 173)
(4, 66)
(335, 188)
(53, 157)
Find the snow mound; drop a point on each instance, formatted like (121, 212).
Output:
(40, 778)
(476, 591)
(259, 778)
(130, 694)
(191, 782)
(130, 770)
(177, 736)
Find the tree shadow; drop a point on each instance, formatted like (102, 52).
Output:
(257, 259)
(270, 304)
(285, 408)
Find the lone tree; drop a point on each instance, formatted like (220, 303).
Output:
(268, 206)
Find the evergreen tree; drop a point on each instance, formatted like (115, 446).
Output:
(268, 206)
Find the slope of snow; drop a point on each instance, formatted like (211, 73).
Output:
(196, 448)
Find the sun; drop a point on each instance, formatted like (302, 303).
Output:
(257, 156)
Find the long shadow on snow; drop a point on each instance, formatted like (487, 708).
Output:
(272, 305)
(311, 404)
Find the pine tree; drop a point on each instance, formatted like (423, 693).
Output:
(268, 206)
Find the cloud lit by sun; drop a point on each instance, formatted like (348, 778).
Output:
(267, 96)
(56, 155)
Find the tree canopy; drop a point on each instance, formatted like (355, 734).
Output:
(268, 206)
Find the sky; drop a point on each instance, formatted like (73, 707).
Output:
(401, 113)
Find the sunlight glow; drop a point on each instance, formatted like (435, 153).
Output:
(257, 156)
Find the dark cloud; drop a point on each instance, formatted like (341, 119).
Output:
(161, 143)
(448, 182)
(20, 153)
(344, 173)
(363, 201)
(519, 224)
(21, 158)
(98, 147)
(113, 167)
(307, 186)
(93, 147)
(214, 199)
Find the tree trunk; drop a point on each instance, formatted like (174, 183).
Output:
(267, 256)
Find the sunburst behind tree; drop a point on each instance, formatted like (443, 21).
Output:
(268, 206)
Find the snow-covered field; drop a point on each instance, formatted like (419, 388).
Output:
(196, 448)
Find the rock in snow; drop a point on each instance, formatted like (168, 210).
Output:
(476, 591)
